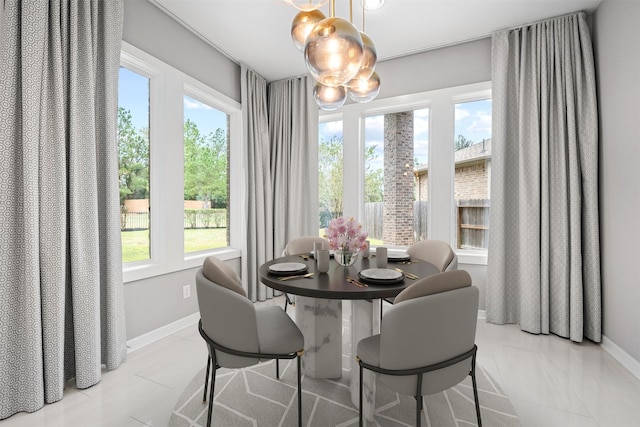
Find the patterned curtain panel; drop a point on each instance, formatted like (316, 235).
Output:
(259, 196)
(544, 259)
(293, 130)
(61, 297)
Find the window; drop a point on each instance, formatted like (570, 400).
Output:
(206, 177)
(330, 172)
(472, 157)
(398, 154)
(186, 172)
(133, 165)
(395, 193)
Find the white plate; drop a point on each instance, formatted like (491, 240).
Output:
(398, 255)
(287, 267)
(381, 274)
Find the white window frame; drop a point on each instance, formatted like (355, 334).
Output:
(441, 104)
(166, 181)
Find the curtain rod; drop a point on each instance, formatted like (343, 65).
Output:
(518, 27)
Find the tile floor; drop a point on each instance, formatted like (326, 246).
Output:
(550, 381)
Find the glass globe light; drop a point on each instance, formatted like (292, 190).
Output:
(329, 98)
(307, 5)
(333, 51)
(372, 4)
(369, 58)
(364, 90)
(302, 25)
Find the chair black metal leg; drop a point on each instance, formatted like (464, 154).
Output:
(419, 401)
(360, 401)
(299, 394)
(206, 378)
(418, 410)
(475, 389)
(287, 302)
(211, 394)
(381, 303)
(278, 369)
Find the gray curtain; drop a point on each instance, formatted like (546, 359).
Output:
(280, 134)
(61, 296)
(293, 130)
(544, 260)
(259, 195)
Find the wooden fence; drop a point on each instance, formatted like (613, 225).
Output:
(193, 218)
(472, 222)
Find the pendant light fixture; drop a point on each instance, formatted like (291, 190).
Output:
(302, 25)
(339, 57)
(307, 5)
(329, 98)
(333, 51)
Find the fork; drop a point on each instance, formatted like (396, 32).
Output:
(299, 276)
(356, 282)
(409, 275)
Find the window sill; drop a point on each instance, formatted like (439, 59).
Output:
(472, 257)
(144, 270)
(469, 256)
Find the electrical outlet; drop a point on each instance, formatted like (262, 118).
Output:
(186, 291)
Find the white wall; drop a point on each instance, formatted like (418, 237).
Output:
(616, 37)
(157, 301)
(151, 30)
(458, 65)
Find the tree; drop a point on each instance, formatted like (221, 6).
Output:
(205, 165)
(133, 158)
(373, 178)
(330, 176)
(462, 142)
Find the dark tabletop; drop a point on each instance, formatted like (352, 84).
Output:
(333, 285)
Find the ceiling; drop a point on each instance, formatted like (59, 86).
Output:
(257, 32)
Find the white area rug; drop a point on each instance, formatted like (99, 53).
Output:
(254, 397)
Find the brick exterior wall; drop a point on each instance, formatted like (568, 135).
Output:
(398, 179)
(422, 184)
(472, 182)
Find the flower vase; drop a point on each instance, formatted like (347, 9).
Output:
(345, 257)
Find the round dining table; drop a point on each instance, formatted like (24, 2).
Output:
(318, 311)
(334, 284)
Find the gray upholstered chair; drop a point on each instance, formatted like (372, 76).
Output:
(301, 245)
(436, 349)
(237, 333)
(437, 252)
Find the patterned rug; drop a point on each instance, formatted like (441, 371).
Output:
(253, 397)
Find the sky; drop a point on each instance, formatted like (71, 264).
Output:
(472, 119)
(133, 95)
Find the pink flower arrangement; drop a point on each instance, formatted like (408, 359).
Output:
(346, 234)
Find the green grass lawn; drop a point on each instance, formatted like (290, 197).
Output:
(135, 244)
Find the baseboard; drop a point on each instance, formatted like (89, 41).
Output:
(164, 331)
(621, 356)
(482, 315)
